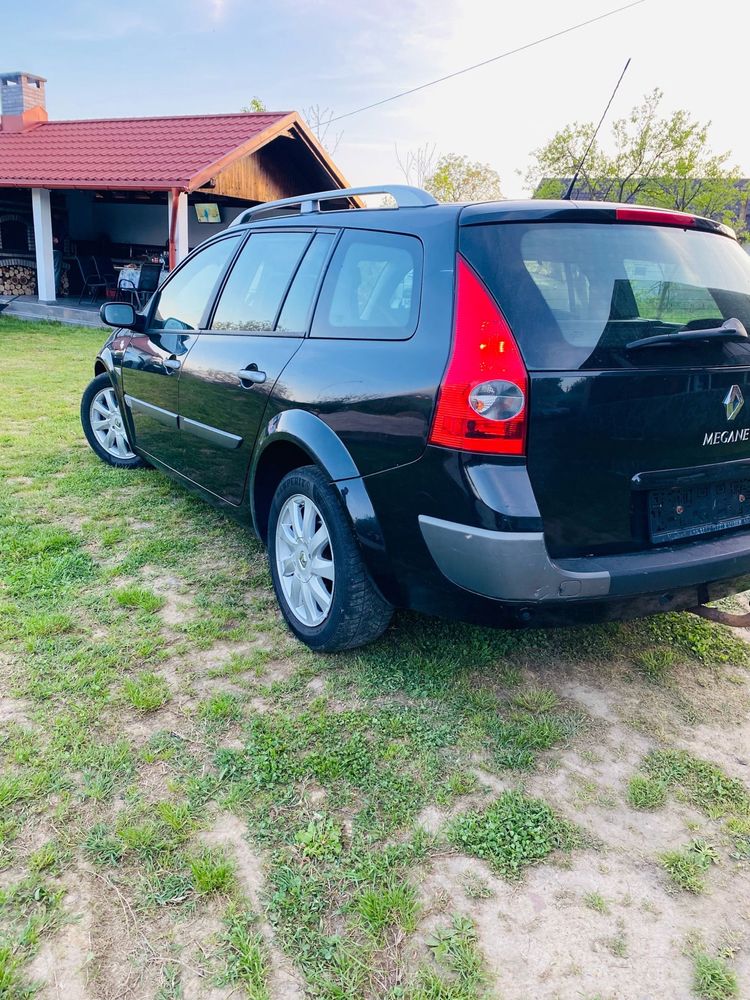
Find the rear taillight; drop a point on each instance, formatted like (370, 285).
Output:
(482, 403)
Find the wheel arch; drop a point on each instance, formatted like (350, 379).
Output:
(278, 458)
(105, 362)
(294, 438)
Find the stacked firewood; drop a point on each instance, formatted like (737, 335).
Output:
(17, 279)
(20, 279)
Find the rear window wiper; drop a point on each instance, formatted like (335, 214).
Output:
(731, 329)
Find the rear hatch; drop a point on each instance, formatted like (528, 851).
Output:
(638, 434)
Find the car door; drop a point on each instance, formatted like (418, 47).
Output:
(259, 322)
(153, 358)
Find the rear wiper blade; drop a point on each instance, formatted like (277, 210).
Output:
(731, 329)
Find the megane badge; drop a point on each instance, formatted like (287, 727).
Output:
(734, 402)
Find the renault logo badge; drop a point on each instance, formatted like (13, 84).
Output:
(734, 402)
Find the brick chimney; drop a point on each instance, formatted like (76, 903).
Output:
(23, 101)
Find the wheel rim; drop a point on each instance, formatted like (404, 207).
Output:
(304, 560)
(107, 424)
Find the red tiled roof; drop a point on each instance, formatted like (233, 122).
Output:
(141, 153)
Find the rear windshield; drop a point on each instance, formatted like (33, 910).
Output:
(575, 294)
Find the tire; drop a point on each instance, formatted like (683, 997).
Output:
(321, 583)
(98, 398)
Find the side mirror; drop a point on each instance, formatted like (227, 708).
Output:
(120, 314)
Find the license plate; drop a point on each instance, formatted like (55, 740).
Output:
(698, 510)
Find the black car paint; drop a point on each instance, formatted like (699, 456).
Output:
(599, 431)
(221, 413)
(362, 410)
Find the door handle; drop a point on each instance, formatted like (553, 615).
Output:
(251, 375)
(171, 364)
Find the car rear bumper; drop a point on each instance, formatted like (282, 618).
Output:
(516, 567)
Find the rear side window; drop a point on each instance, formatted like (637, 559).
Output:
(295, 313)
(372, 288)
(258, 282)
(185, 297)
(576, 294)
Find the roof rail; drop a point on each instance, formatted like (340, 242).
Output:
(402, 194)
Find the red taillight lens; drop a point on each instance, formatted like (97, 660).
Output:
(482, 402)
(654, 217)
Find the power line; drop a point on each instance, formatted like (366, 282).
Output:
(492, 59)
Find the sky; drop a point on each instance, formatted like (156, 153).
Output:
(133, 57)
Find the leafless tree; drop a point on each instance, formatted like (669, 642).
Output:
(320, 120)
(416, 164)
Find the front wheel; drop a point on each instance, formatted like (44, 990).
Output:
(320, 579)
(104, 427)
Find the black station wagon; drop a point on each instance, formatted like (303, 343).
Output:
(517, 413)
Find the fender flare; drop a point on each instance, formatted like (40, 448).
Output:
(104, 359)
(105, 364)
(314, 437)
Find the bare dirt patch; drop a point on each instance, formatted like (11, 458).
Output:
(194, 938)
(63, 964)
(98, 952)
(15, 711)
(228, 831)
(731, 753)
(178, 603)
(540, 938)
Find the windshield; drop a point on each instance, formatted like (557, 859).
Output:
(576, 294)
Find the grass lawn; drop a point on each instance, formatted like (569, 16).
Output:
(192, 805)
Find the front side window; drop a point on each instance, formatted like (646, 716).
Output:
(185, 297)
(372, 288)
(260, 277)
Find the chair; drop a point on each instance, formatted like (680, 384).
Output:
(106, 271)
(127, 286)
(148, 282)
(92, 284)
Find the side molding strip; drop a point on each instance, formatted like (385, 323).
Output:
(216, 437)
(165, 417)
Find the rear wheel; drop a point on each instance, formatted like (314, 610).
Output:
(320, 579)
(104, 427)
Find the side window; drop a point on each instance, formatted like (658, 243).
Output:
(260, 277)
(184, 298)
(372, 288)
(295, 314)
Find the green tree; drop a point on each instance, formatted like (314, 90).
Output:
(655, 159)
(255, 105)
(456, 178)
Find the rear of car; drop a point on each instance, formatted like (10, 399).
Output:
(521, 413)
(600, 353)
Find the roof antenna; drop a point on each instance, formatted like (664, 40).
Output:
(569, 192)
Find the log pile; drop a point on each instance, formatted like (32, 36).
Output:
(20, 279)
(17, 279)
